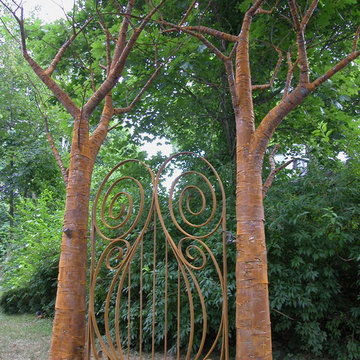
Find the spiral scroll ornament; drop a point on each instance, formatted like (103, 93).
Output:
(154, 286)
(117, 206)
(206, 196)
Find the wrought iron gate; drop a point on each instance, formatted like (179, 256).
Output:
(158, 265)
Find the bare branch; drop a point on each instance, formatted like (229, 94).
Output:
(187, 12)
(281, 313)
(275, 116)
(118, 65)
(231, 81)
(48, 134)
(140, 93)
(121, 40)
(260, 87)
(356, 37)
(339, 66)
(277, 67)
(263, 11)
(49, 71)
(9, 31)
(143, 90)
(289, 74)
(308, 14)
(274, 170)
(60, 94)
(303, 61)
(199, 36)
(255, 8)
(212, 32)
(98, 136)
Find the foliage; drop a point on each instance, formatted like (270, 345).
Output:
(30, 269)
(37, 295)
(313, 243)
(314, 296)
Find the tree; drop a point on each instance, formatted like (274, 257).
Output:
(24, 171)
(252, 318)
(69, 323)
(253, 337)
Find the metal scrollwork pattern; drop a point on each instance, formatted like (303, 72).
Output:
(158, 275)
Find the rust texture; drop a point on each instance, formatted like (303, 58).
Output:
(120, 224)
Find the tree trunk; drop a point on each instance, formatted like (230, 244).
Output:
(68, 338)
(253, 330)
(11, 200)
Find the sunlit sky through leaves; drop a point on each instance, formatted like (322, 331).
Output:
(47, 10)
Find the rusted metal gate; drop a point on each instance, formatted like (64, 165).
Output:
(158, 286)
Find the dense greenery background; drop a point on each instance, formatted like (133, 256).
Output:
(312, 210)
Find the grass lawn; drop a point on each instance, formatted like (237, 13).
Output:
(24, 337)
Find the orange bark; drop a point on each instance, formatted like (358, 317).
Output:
(253, 331)
(68, 331)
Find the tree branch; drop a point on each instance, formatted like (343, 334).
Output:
(273, 119)
(356, 37)
(289, 74)
(187, 12)
(301, 44)
(140, 93)
(308, 14)
(117, 66)
(49, 71)
(60, 94)
(277, 67)
(98, 136)
(121, 40)
(339, 66)
(274, 170)
(212, 32)
(53, 147)
(197, 35)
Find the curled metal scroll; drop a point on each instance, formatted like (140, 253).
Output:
(172, 259)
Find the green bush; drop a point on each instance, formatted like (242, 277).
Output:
(30, 270)
(313, 244)
(36, 239)
(38, 295)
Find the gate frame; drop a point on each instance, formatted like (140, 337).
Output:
(184, 265)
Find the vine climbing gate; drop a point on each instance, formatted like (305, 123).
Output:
(158, 278)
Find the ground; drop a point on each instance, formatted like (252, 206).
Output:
(24, 337)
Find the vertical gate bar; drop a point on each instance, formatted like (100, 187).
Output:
(178, 317)
(129, 312)
(225, 303)
(183, 269)
(154, 298)
(141, 296)
(166, 295)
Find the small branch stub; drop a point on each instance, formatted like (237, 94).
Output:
(68, 232)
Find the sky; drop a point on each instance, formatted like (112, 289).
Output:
(49, 10)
